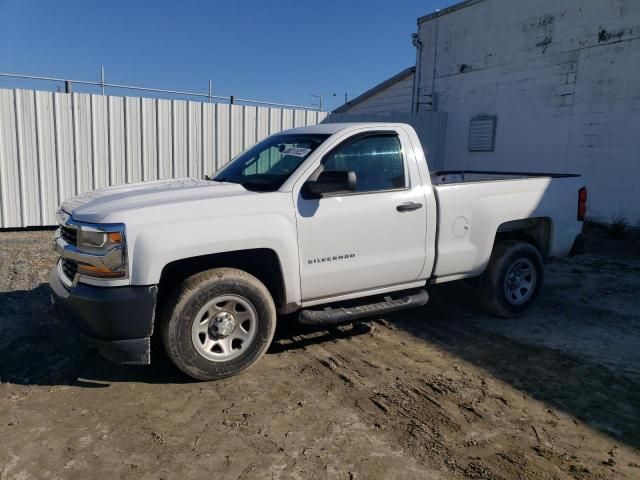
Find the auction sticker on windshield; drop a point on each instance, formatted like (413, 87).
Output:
(297, 151)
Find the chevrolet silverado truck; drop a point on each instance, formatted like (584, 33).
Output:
(335, 222)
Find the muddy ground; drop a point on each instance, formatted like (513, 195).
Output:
(443, 391)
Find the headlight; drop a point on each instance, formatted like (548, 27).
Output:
(107, 242)
(93, 239)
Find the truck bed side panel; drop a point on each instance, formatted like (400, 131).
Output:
(469, 215)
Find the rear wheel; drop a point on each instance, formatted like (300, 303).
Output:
(513, 279)
(218, 323)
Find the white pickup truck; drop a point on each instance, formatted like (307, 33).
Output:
(334, 221)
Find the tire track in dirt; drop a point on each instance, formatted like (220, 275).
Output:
(451, 416)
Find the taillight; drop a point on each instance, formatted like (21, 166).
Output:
(582, 203)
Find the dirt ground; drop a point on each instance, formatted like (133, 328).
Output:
(443, 391)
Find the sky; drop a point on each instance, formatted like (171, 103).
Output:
(273, 50)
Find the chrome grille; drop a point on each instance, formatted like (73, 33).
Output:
(69, 268)
(69, 234)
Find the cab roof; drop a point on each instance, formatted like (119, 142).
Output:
(331, 128)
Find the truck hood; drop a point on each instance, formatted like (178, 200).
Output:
(94, 206)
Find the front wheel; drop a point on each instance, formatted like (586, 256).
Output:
(513, 279)
(218, 323)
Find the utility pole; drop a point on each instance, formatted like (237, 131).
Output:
(319, 97)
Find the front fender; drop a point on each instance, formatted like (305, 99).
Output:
(162, 234)
(156, 247)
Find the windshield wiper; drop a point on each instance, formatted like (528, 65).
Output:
(224, 179)
(259, 186)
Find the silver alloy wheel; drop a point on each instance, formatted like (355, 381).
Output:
(520, 281)
(224, 327)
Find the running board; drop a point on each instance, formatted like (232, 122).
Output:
(330, 315)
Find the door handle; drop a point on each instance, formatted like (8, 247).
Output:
(408, 207)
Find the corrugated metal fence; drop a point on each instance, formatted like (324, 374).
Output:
(56, 145)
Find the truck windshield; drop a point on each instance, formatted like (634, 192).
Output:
(266, 166)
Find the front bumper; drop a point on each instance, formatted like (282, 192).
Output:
(119, 319)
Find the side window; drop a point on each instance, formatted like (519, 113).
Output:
(376, 160)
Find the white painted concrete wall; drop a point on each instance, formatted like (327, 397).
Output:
(395, 98)
(562, 76)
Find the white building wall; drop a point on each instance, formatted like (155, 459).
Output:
(562, 77)
(395, 98)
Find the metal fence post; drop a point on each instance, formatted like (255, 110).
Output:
(102, 79)
(210, 91)
(232, 99)
(68, 86)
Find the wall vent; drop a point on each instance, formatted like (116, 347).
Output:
(482, 133)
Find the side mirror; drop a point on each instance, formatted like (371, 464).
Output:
(331, 181)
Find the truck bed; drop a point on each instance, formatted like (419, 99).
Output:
(472, 206)
(470, 176)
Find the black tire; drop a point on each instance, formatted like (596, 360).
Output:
(495, 294)
(190, 297)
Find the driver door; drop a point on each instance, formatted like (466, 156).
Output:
(365, 239)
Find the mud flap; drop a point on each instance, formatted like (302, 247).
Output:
(136, 351)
